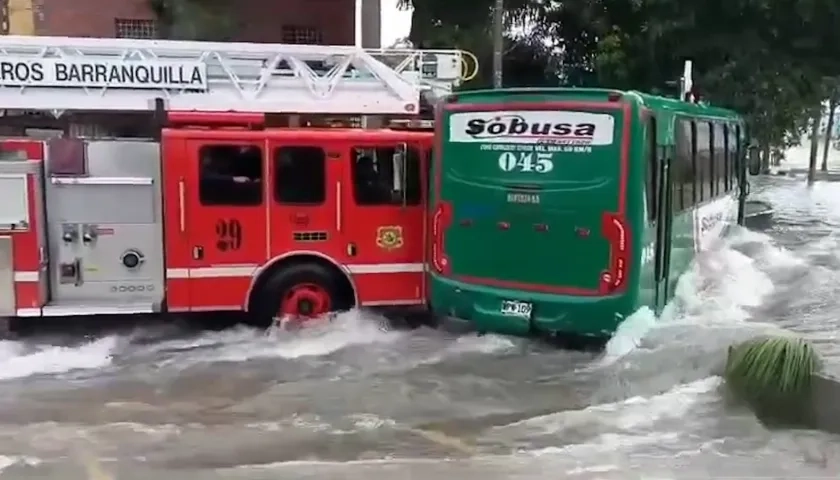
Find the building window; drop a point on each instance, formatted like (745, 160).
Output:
(301, 35)
(4, 17)
(135, 28)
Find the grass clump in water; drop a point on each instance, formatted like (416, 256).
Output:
(773, 375)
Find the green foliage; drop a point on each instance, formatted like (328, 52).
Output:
(767, 59)
(195, 19)
(528, 61)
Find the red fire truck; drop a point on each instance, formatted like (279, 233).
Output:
(217, 210)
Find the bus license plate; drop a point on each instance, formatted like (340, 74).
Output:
(513, 308)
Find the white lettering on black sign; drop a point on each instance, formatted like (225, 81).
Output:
(51, 72)
(530, 198)
(532, 127)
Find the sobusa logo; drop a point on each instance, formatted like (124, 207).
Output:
(568, 128)
(518, 126)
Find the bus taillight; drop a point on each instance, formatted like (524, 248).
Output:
(615, 231)
(440, 222)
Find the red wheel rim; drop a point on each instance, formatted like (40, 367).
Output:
(305, 301)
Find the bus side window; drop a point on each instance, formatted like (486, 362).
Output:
(373, 176)
(733, 156)
(651, 184)
(720, 166)
(300, 175)
(683, 166)
(704, 161)
(723, 146)
(712, 160)
(230, 175)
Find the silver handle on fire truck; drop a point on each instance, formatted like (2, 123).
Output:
(103, 181)
(338, 206)
(182, 215)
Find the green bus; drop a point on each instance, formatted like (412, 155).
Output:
(562, 211)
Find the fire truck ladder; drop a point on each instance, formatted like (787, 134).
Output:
(57, 74)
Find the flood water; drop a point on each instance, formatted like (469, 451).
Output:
(353, 401)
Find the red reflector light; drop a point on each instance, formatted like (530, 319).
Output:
(503, 225)
(614, 96)
(440, 221)
(616, 232)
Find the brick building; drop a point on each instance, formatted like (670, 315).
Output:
(328, 22)
(325, 22)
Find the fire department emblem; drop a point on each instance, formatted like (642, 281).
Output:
(389, 238)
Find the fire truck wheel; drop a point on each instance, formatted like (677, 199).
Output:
(300, 292)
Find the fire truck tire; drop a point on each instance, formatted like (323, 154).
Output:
(301, 290)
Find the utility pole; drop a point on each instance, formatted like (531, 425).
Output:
(815, 143)
(498, 41)
(832, 108)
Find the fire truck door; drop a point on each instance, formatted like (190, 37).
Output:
(305, 185)
(225, 220)
(384, 212)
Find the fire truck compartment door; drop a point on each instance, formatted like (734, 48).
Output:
(14, 197)
(7, 284)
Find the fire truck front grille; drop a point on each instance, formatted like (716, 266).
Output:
(310, 236)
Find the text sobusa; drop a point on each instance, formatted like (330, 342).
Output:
(514, 125)
(539, 162)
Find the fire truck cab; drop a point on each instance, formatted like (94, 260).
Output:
(219, 211)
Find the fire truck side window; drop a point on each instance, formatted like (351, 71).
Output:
(374, 177)
(230, 175)
(300, 175)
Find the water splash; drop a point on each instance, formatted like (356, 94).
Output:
(18, 359)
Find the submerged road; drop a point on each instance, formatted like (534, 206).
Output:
(352, 401)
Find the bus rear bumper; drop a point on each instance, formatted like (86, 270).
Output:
(550, 315)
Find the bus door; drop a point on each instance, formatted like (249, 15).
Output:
(304, 191)
(664, 224)
(225, 220)
(383, 220)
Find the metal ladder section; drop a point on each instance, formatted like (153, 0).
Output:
(58, 74)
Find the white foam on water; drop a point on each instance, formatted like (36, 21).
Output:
(346, 329)
(7, 461)
(627, 417)
(714, 297)
(18, 360)
(719, 288)
(487, 344)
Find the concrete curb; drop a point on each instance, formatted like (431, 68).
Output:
(758, 215)
(825, 402)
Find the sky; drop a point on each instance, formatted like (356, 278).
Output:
(395, 23)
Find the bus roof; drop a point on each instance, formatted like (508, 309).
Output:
(672, 105)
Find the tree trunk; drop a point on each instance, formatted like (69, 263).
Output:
(815, 145)
(498, 42)
(832, 107)
(765, 158)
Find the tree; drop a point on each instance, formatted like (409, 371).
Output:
(765, 59)
(528, 61)
(210, 20)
